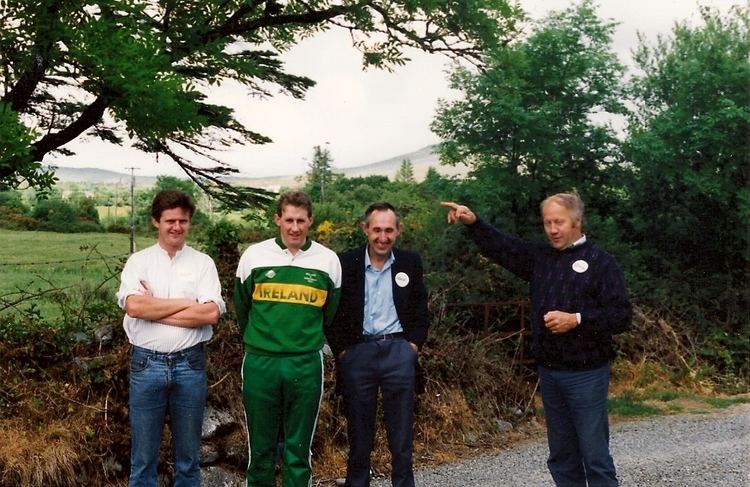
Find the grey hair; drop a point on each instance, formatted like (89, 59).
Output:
(570, 201)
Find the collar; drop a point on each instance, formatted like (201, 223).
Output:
(166, 252)
(578, 242)
(388, 263)
(305, 246)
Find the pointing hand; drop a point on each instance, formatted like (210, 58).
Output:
(459, 213)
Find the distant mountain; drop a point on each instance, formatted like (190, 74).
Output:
(99, 176)
(421, 160)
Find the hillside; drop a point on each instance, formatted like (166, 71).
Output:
(98, 176)
(421, 159)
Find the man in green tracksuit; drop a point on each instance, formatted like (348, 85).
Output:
(286, 289)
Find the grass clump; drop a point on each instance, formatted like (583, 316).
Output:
(725, 402)
(630, 406)
(43, 455)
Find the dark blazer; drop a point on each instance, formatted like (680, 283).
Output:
(410, 300)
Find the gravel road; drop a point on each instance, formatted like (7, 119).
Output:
(685, 450)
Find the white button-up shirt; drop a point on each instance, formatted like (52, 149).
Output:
(190, 274)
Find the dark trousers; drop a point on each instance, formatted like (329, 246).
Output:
(575, 406)
(387, 365)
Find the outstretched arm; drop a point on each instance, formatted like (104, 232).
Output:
(510, 252)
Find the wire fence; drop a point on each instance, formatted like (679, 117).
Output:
(66, 261)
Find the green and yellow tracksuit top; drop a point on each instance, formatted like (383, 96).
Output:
(282, 300)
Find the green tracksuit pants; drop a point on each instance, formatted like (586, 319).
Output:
(281, 393)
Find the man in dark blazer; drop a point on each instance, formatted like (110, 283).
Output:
(376, 336)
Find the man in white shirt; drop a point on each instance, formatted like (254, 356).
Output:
(171, 295)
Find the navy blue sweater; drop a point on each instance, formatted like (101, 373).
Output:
(594, 287)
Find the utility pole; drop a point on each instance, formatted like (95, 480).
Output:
(117, 196)
(132, 208)
(326, 173)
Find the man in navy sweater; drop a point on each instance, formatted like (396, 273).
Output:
(579, 300)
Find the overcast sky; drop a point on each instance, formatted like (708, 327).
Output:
(364, 116)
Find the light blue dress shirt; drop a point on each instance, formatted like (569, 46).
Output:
(380, 312)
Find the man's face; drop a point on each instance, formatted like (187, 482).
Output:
(562, 231)
(381, 231)
(173, 227)
(293, 226)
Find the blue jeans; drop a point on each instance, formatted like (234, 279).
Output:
(161, 383)
(575, 406)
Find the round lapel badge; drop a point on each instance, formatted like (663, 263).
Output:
(402, 279)
(580, 266)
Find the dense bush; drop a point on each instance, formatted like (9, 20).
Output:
(220, 240)
(87, 210)
(58, 215)
(118, 228)
(12, 199)
(14, 219)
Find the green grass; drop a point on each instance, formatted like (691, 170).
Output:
(37, 261)
(665, 401)
(725, 402)
(626, 406)
(629, 406)
(665, 395)
(107, 214)
(675, 408)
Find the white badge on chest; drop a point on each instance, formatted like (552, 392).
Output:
(580, 266)
(402, 279)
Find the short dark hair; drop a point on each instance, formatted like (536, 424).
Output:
(167, 199)
(380, 206)
(299, 199)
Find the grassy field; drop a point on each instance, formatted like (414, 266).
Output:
(37, 261)
(107, 214)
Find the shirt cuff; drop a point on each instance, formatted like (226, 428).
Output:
(219, 302)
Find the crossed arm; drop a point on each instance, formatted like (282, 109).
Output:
(180, 312)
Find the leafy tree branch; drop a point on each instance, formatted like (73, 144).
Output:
(113, 68)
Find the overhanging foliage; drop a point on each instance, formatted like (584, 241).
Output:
(106, 69)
